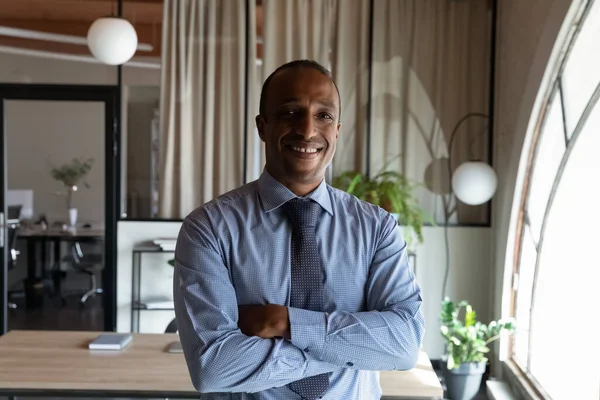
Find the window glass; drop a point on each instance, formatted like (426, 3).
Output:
(549, 153)
(582, 69)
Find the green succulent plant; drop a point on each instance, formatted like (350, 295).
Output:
(467, 340)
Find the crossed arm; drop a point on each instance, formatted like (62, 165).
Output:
(254, 348)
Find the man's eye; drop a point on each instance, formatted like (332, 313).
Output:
(326, 116)
(288, 113)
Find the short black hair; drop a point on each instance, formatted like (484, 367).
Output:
(291, 65)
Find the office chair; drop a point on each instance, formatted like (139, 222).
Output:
(172, 327)
(13, 229)
(89, 264)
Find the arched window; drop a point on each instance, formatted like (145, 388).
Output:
(556, 287)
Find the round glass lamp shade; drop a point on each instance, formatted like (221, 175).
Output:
(474, 182)
(112, 40)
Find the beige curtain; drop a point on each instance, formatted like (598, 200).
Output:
(255, 153)
(292, 29)
(295, 29)
(430, 68)
(350, 69)
(202, 104)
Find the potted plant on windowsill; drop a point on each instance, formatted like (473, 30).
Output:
(70, 175)
(466, 346)
(391, 191)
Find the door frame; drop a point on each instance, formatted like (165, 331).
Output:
(110, 96)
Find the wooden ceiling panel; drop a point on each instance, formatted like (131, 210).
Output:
(79, 10)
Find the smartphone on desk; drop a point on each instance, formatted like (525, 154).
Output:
(111, 341)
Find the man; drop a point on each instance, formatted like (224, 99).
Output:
(287, 288)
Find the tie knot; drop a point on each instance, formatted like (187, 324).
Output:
(302, 212)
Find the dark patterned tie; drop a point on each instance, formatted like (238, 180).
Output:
(307, 278)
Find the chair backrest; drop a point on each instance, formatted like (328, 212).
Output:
(172, 327)
(76, 252)
(13, 233)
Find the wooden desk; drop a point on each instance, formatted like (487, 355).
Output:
(50, 363)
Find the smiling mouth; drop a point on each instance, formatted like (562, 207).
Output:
(305, 149)
(304, 152)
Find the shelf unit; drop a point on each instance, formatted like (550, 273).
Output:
(137, 305)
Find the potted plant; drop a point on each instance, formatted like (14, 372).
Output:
(466, 347)
(70, 175)
(391, 191)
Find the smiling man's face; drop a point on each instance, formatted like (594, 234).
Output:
(300, 128)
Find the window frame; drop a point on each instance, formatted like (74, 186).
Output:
(520, 378)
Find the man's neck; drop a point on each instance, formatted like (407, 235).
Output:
(298, 188)
(302, 190)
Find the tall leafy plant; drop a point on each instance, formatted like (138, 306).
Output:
(391, 191)
(467, 340)
(71, 174)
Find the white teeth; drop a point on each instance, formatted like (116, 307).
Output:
(303, 150)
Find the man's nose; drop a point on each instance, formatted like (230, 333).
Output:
(306, 126)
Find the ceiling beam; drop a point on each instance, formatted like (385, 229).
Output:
(150, 34)
(127, 2)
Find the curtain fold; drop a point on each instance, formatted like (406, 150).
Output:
(202, 102)
(255, 154)
(350, 69)
(295, 29)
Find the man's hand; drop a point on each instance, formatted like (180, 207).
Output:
(265, 321)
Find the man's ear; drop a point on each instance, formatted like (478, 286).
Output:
(260, 126)
(337, 133)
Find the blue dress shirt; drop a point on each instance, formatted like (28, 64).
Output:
(235, 250)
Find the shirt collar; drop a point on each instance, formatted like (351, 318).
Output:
(273, 193)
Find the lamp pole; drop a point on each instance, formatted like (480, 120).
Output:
(478, 193)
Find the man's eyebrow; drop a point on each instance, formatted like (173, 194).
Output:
(324, 102)
(288, 101)
(327, 103)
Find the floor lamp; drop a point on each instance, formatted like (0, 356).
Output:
(474, 182)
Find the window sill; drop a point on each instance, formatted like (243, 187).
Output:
(519, 384)
(498, 390)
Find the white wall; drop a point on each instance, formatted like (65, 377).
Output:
(527, 32)
(45, 133)
(470, 266)
(157, 275)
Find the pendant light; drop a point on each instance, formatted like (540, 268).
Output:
(113, 39)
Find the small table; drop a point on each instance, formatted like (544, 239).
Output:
(59, 364)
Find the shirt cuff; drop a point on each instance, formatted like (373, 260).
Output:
(308, 330)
